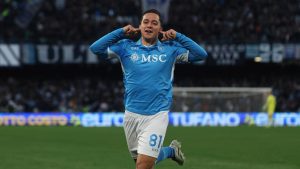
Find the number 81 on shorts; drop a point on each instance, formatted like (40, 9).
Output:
(155, 140)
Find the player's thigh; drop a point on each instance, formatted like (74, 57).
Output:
(151, 137)
(145, 162)
(130, 126)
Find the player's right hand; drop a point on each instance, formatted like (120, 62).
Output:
(131, 31)
(168, 35)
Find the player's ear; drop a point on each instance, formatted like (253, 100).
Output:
(160, 36)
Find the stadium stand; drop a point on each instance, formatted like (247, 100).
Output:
(218, 21)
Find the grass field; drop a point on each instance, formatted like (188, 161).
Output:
(105, 148)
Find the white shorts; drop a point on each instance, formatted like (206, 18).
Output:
(145, 133)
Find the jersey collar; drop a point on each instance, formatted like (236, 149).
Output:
(139, 42)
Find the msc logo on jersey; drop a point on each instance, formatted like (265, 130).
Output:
(134, 57)
(148, 58)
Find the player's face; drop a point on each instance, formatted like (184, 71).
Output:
(150, 26)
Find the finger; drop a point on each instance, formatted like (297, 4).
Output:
(134, 30)
(168, 36)
(137, 29)
(125, 29)
(172, 34)
(128, 31)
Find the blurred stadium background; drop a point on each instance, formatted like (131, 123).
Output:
(50, 78)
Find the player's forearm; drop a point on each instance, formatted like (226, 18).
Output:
(196, 51)
(100, 46)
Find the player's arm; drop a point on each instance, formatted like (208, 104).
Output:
(195, 51)
(189, 50)
(108, 44)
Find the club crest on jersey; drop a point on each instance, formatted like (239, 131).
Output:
(160, 48)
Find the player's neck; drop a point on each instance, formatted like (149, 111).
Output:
(149, 42)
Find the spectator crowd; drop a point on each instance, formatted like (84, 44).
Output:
(83, 94)
(209, 21)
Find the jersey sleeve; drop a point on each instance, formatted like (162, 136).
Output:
(181, 53)
(187, 50)
(110, 45)
(116, 49)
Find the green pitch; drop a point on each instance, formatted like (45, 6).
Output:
(105, 148)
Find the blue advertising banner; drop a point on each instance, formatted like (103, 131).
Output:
(186, 119)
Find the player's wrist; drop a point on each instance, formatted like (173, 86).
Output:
(120, 32)
(178, 36)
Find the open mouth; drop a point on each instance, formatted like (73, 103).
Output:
(148, 31)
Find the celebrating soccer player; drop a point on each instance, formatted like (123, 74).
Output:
(148, 67)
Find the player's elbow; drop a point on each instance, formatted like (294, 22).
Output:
(93, 48)
(98, 51)
(204, 54)
(201, 55)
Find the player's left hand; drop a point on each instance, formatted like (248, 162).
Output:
(168, 35)
(130, 31)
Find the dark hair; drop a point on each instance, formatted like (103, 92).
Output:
(153, 11)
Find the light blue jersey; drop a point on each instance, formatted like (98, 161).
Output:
(148, 70)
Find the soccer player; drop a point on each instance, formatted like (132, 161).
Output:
(269, 107)
(148, 67)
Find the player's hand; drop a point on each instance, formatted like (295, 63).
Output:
(131, 31)
(168, 35)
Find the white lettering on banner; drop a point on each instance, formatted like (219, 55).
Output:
(88, 120)
(12, 120)
(219, 119)
(61, 54)
(68, 53)
(271, 53)
(279, 119)
(72, 54)
(91, 58)
(205, 119)
(292, 119)
(277, 53)
(226, 54)
(47, 57)
(10, 55)
(102, 120)
(288, 119)
(175, 117)
(265, 52)
(232, 119)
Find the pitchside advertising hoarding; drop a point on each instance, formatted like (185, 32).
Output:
(115, 119)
